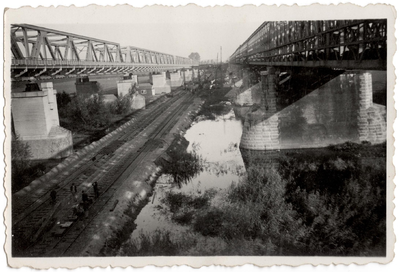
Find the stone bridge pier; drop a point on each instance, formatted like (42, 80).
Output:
(340, 111)
(261, 125)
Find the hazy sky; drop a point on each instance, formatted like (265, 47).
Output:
(177, 31)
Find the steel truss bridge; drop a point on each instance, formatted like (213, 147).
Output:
(41, 52)
(344, 44)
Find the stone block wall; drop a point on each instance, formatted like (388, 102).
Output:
(261, 135)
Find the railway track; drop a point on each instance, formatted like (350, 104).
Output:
(106, 165)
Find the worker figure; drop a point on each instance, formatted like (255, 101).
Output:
(53, 195)
(74, 191)
(95, 189)
(85, 204)
(85, 197)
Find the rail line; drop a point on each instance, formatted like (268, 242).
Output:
(28, 226)
(132, 163)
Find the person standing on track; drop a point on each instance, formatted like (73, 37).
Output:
(74, 191)
(85, 200)
(53, 195)
(85, 197)
(95, 189)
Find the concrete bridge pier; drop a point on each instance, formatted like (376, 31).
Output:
(36, 122)
(160, 84)
(183, 76)
(261, 125)
(175, 80)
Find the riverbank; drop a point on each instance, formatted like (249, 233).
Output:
(115, 219)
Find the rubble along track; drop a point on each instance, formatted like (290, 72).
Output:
(102, 164)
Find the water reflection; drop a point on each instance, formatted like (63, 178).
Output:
(217, 141)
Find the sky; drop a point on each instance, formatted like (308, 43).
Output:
(177, 31)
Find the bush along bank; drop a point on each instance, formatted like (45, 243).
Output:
(327, 203)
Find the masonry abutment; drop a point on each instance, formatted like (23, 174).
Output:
(261, 125)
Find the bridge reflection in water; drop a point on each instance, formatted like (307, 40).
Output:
(340, 111)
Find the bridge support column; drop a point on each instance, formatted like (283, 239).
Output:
(246, 78)
(160, 84)
(35, 117)
(261, 126)
(175, 80)
(371, 121)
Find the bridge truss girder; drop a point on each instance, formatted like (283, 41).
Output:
(37, 48)
(348, 44)
(39, 43)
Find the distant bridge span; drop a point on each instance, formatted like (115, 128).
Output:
(39, 51)
(342, 44)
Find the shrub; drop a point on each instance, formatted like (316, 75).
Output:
(63, 99)
(90, 111)
(209, 223)
(342, 202)
(122, 105)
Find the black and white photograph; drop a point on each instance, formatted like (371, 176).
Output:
(239, 135)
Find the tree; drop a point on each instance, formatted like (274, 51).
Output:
(194, 56)
(20, 161)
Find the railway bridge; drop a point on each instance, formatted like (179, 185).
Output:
(46, 61)
(310, 84)
(39, 51)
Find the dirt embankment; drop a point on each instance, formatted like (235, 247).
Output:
(114, 228)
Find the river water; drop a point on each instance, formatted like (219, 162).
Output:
(217, 142)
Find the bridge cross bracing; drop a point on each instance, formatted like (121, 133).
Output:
(58, 52)
(342, 44)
